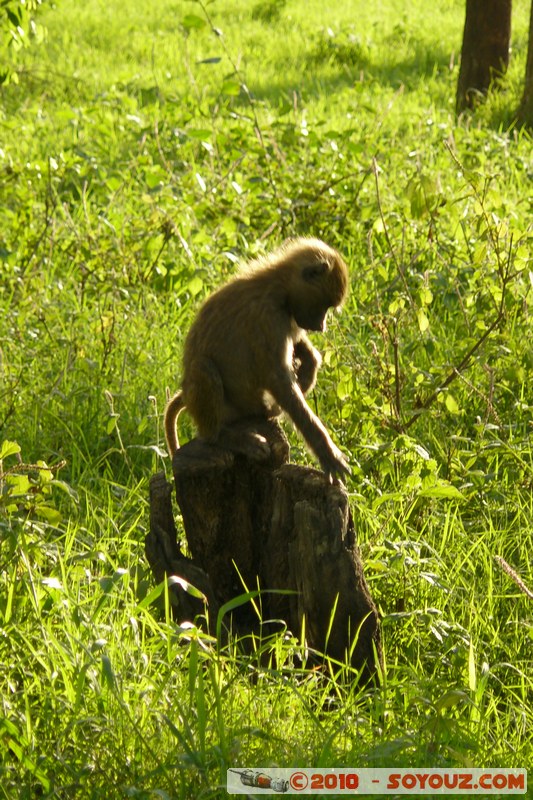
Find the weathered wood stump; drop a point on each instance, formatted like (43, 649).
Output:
(267, 524)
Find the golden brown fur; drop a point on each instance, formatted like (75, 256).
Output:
(247, 353)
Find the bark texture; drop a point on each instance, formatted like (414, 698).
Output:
(485, 51)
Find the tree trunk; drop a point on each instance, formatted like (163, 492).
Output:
(273, 525)
(485, 52)
(525, 112)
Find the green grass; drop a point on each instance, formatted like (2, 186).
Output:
(134, 172)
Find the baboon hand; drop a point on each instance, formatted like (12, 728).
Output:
(334, 464)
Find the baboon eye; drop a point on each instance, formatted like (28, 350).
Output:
(314, 271)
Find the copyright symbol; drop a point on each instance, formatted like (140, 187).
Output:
(298, 781)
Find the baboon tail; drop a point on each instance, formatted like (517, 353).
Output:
(173, 408)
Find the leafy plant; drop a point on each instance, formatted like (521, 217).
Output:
(18, 26)
(27, 490)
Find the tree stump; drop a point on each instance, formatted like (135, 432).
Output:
(270, 525)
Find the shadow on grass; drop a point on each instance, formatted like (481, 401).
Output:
(333, 63)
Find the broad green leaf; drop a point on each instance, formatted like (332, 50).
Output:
(423, 321)
(231, 88)
(113, 183)
(51, 515)
(442, 491)
(199, 133)
(451, 404)
(451, 698)
(8, 448)
(398, 304)
(192, 22)
(45, 474)
(195, 285)
(18, 485)
(426, 296)
(155, 176)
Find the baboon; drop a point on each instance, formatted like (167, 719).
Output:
(247, 353)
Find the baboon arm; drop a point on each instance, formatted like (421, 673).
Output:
(289, 396)
(306, 363)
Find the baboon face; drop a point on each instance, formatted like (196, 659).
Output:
(321, 285)
(311, 318)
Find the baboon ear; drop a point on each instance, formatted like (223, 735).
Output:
(314, 271)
